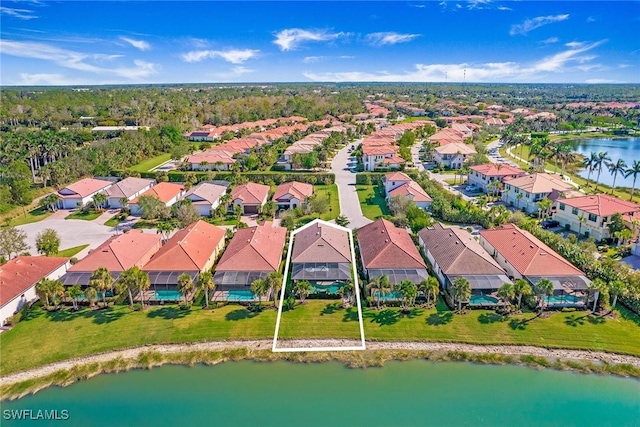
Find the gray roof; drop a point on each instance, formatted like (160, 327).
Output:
(321, 271)
(397, 275)
(483, 282)
(321, 243)
(128, 187)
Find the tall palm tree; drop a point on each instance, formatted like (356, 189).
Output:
(165, 228)
(101, 280)
(617, 288)
(42, 290)
(346, 292)
(275, 284)
(303, 289)
(205, 282)
(461, 291)
(634, 171)
(544, 205)
(185, 285)
(91, 295)
(73, 293)
(374, 289)
(616, 168)
(506, 292)
(581, 220)
(602, 158)
(385, 286)
(590, 164)
(99, 199)
(521, 288)
(137, 280)
(408, 292)
(543, 288)
(259, 287)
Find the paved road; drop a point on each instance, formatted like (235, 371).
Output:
(346, 181)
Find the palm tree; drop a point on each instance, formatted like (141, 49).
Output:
(165, 228)
(617, 288)
(302, 289)
(566, 156)
(518, 198)
(342, 220)
(590, 163)
(616, 168)
(543, 207)
(521, 288)
(623, 236)
(185, 285)
(596, 286)
(461, 291)
(602, 158)
(205, 282)
(430, 287)
(101, 280)
(543, 288)
(346, 291)
(260, 287)
(42, 289)
(91, 295)
(274, 279)
(506, 292)
(99, 199)
(581, 220)
(73, 293)
(633, 170)
(385, 286)
(408, 292)
(124, 285)
(136, 279)
(373, 287)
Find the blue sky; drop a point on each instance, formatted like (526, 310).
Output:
(74, 42)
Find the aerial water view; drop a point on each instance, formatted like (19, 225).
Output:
(319, 213)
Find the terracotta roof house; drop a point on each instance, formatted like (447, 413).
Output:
(250, 197)
(214, 159)
(394, 180)
(81, 192)
(18, 279)
(167, 192)
(453, 155)
(454, 253)
(412, 191)
(375, 154)
(205, 197)
(192, 250)
(522, 255)
(387, 250)
(322, 255)
(596, 211)
(117, 254)
(128, 188)
(533, 188)
(483, 175)
(252, 254)
(290, 195)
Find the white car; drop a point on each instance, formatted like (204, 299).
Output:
(470, 188)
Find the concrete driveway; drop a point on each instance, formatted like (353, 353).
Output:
(346, 183)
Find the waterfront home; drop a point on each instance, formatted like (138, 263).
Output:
(167, 192)
(322, 255)
(191, 250)
(481, 176)
(252, 254)
(589, 215)
(533, 188)
(522, 255)
(128, 188)
(205, 197)
(454, 253)
(291, 195)
(18, 279)
(81, 192)
(387, 250)
(250, 197)
(453, 155)
(117, 254)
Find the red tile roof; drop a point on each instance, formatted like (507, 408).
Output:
(254, 249)
(250, 193)
(539, 183)
(411, 190)
(299, 190)
(491, 169)
(22, 272)
(163, 191)
(601, 204)
(397, 176)
(85, 187)
(321, 242)
(383, 245)
(121, 252)
(528, 255)
(188, 250)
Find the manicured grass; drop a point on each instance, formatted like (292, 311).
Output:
(226, 220)
(319, 319)
(89, 215)
(71, 252)
(113, 221)
(147, 165)
(145, 223)
(372, 201)
(15, 211)
(32, 216)
(330, 191)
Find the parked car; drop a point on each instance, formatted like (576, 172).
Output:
(471, 188)
(550, 223)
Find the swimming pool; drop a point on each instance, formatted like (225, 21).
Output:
(329, 289)
(393, 295)
(481, 299)
(241, 296)
(564, 299)
(167, 296)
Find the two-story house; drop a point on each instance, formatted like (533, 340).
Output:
(483, 175)
(526, 191)
(453, 155)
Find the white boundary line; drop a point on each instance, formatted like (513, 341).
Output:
(356, 285)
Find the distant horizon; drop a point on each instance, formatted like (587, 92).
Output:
(82, 43)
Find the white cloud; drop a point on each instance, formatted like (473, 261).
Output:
(504, 8)
(45, 80)
(232, 75)
(24, 14)
(291, 38)
(316, 59)
(419, 6)
(384, 38)
(478, 4)
(138, 44)
(550, 40)
(234, 56)
(602, 81)
(75, 60)
(537, 22)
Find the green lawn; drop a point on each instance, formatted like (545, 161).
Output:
(89, 215)
(145, 223)
(330, 191)
(32, 216)
(147, 165)
(320, 319)
(372, 201)
(71, 252)
(228, 219)
(113, 221)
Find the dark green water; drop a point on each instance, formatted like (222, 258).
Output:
(400, 394)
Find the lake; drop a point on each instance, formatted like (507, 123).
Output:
(617, 148)
(411, 393)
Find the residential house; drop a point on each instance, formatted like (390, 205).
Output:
(394, 180)
(589, 215)
(399, 184)
(522, 255)
(291, 195)
(250, 197)
(117, 254)
(18, 279)
(205, 197)
(483, 175)
(167, 192)
(81, 192)
(322, 255)
(252, 254)
(533, 188)
(453, 155)
(128, 188)
(387, 250)
(190, 251)
(454, 253)
(380, 156)
(213, 159)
